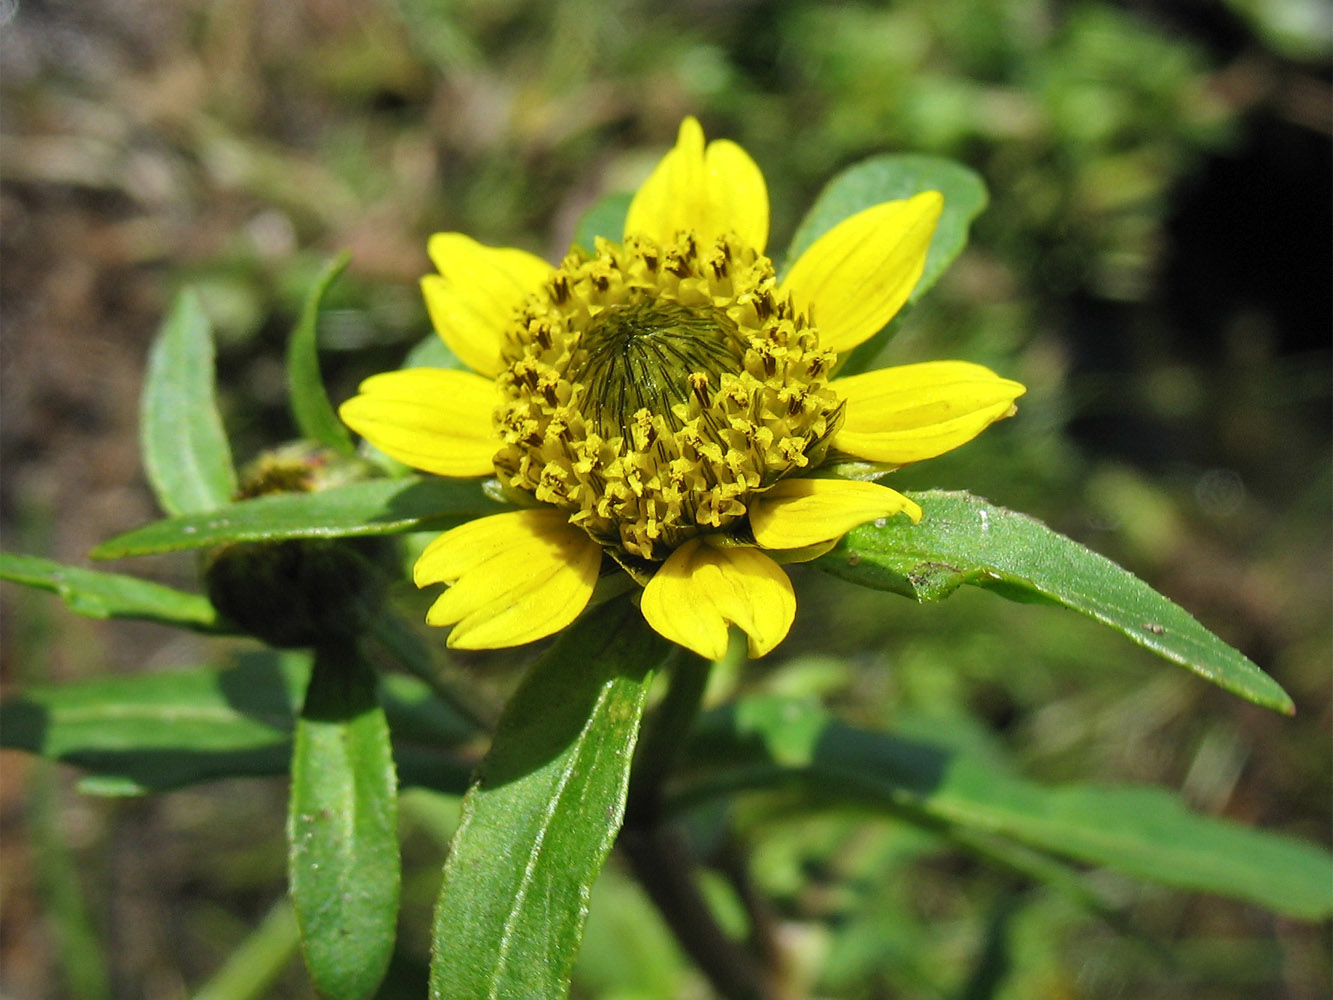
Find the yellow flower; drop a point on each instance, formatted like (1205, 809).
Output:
(662, 402)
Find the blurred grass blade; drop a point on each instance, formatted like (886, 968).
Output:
(375, 507)
(965, 540)
(252, 969)
(892, 177)
(342, 828)
(83, 964)
(311, 409)
(155, 732)
(605, 219)
(1145, 832)
(542, 813)
(185, 450)
(111, 595)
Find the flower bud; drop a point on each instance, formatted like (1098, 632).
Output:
(299, 592)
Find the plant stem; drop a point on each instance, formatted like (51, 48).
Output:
(660, 858)
(665, 735)
(660, 861)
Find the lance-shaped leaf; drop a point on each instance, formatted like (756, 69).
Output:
(342, 828)
(151, 732)
(542, 813)
(311, 409)
(111, 595)
(1146, 832)
(893, 177)
(185, 450)
(375, 507)
(963, 539)
(155, 732)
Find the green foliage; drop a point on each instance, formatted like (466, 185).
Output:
(342, 835)
(185, 450)
(311, 408)
(158, 732)
(772, 742)
(376, 507)
(542, 812)
(111, 595)
(965, 540)
(606, 219)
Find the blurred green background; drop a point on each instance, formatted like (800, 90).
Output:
(1154, 265)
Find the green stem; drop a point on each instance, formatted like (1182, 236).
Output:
(661, 862)
(660, 858)
(665, 735)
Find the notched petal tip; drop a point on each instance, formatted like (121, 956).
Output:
(710, 190)
(700, 590)
(514, 578)
(476, 294)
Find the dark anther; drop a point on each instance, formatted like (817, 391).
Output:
(699, 383)
(560, 289)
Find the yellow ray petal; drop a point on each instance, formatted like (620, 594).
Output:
(856, 277)
(473, 298)
(515, 577)
(711, 191)
(700, 589)
(799, 512)
(434, 419)
(911, 412)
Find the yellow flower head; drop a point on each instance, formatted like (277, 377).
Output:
(664, 401)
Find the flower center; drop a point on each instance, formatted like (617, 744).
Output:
(641, 355)
(653, 390)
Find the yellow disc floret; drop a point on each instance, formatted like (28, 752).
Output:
(654, 390)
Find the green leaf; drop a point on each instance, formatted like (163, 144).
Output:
(965, 540)
(432, 352)
(311, 409)
(605, 219)
(185, 450)
(111, 595)
(1146, 832)
(889, 178)
(152, 732)
(542, 812)
(156, 732)
(342, 828)
(375, 507)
